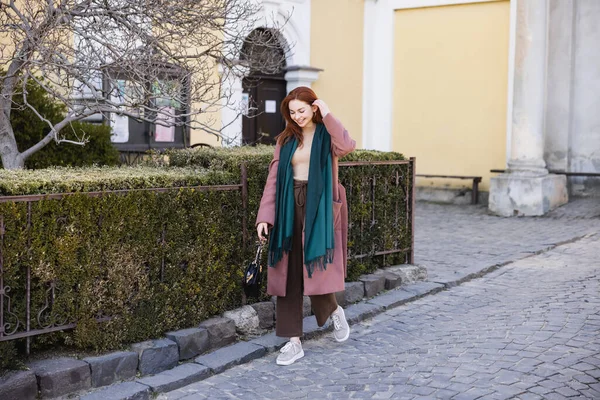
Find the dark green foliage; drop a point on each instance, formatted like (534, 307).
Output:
(376, 210)
(151, 261)
(155, 262)
(29, 129)
(9, 358)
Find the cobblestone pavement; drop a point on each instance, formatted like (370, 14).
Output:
(529, 330)
(453, 242)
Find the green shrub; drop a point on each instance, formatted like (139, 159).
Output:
(29, 129)
(373, 225)
(152, 261)
(159, 261)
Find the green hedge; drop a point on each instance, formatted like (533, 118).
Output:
(152, 261)
(365, 237)
(156, 262)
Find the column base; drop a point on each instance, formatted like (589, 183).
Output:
(512, 194)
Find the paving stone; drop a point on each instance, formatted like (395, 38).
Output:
(176, 378)
(18, 385)
(270, 341)
(306, 306)
(266, 314)
(421, 289)
(113, 367)
(221, 331)
(502, 334)
(374, 284)
(156, 355)
(190, 342)
(310, 329)
(120, 391)
(392, 299)
(222, 359)
(361, 311)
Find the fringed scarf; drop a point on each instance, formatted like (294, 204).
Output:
(319, 239)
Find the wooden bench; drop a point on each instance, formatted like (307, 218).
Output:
(557, 172)
(474, 191)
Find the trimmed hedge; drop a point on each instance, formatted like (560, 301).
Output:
(152, 261)
(155, 262)
(373, 225)
(90, 179)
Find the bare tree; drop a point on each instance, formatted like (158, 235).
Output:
(141, 59)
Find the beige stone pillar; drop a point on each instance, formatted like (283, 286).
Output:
(526, 188)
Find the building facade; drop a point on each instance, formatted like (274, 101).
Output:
(465, 86)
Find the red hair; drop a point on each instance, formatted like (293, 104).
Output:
(292, 129)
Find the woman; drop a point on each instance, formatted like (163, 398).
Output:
(304, 208)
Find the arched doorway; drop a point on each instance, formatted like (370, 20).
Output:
(263, 90)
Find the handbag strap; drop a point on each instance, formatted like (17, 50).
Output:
(258, 253)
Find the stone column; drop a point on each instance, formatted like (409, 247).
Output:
(526, 188)
(300, 76)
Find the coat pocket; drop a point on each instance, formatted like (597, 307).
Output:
(337, 215)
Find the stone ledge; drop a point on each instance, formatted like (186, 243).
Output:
(226, 357)
(221, 331)
(176, 378)
(266, 314)
(18, 385)
(374, 284)
(361, 311)
(246, 320)
(270, 341)
(421, 289)
(60, 376)
(120, 391)
(190, 342)
(392, 299)
(310, 329)
(156, 355)
(353, 292)
(113, 367)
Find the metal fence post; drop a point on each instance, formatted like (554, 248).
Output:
(244, 173)
(413, 165)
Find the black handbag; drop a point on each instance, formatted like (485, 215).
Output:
(253, 275)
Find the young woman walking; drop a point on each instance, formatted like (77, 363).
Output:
(304, 209)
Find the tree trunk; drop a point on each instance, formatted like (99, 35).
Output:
(11, 158)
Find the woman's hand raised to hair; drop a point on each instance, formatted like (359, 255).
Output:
(324, 108)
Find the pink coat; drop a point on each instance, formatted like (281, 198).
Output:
(332, 279)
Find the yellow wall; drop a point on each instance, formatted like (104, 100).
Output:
(336, 46)
(211, 116)
(450, 89)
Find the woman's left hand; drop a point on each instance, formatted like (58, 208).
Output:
(324, 108)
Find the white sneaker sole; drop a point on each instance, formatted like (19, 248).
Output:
(343, 314)
(292, 360)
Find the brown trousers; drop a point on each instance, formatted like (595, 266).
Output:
(289, 308)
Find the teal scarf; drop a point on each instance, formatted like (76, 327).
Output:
(319, 241)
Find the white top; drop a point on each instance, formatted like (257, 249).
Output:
(301, 159)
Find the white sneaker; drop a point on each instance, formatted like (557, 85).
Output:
(341, 329)
(290, 353)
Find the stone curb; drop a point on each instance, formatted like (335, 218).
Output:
(169, 376)
(121, 391)
(226, 357)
